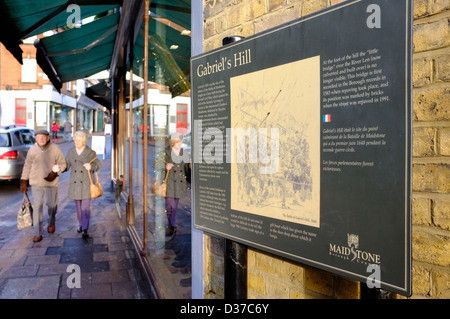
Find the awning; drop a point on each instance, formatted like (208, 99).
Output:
(165, 66)
(170, 44)
(25, 18)
(101, 93)
(87, 102)
(177, 11)
(80, 52)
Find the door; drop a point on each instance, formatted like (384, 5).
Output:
(21, 111)
(181, 121)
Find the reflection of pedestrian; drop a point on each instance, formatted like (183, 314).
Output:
(142, 130)
(55, 129)
(135, 132)
(67, 130)
(171, 161)
(81, 159)
(44, 162)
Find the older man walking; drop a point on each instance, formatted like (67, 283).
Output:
(43, 164)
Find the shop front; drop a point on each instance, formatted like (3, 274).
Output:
(59, 108)
(88, 114)
(61, 113)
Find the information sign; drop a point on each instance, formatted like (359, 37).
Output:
(302, 141)
(99, 144)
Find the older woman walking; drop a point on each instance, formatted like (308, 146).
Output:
(80, 160)
(173, 162)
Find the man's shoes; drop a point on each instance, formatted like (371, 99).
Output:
(37, 239)
(85, 234)
(79, 229)
(51, 229)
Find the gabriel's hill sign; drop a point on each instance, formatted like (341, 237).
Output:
(302, 138)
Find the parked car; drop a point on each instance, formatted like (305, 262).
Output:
(15, 141)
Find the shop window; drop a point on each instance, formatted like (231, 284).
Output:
(29, 70)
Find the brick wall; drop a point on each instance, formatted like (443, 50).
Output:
(431, 149)
(270, 276)
(11, 70)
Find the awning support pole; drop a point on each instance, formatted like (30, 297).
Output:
(123, 125)
(145, 146)
(130, 202)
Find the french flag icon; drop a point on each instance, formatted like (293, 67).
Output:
(326, 118)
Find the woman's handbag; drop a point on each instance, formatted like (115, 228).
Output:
(25, 214)
(96, 189)
(160, 190)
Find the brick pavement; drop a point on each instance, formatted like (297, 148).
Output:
(109, 267)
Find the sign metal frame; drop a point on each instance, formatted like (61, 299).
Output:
(337, 83)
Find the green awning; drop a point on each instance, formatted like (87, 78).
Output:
(101, 93)
(25, 18)
(165, 66)
(178, 11)
(169, 49)
(80, 52)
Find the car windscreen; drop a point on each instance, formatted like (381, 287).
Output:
(5, 140)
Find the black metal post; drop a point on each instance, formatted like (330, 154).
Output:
(235, 270)
(235, 254)
(375, 293)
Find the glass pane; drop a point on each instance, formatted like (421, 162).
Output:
(172, 250)
(182, 107)
(5, 140)
(41, 115)
(21, 102)
(28, 137)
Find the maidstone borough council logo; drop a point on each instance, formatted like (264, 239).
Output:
(352, 252)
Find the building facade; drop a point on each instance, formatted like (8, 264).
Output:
(27, 96)
(166, 115)
(271, 276)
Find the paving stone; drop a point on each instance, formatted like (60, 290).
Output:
(108, 263)
(99, 291)
(110, 276)
(81, 252)
(110, 255)
(42, 260)
(21, 271)
(45, 287)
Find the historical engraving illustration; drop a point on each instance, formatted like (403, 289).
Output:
(275, 117)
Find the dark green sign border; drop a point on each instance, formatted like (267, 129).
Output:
(363, 213)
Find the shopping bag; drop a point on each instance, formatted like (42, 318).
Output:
(25, 214)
